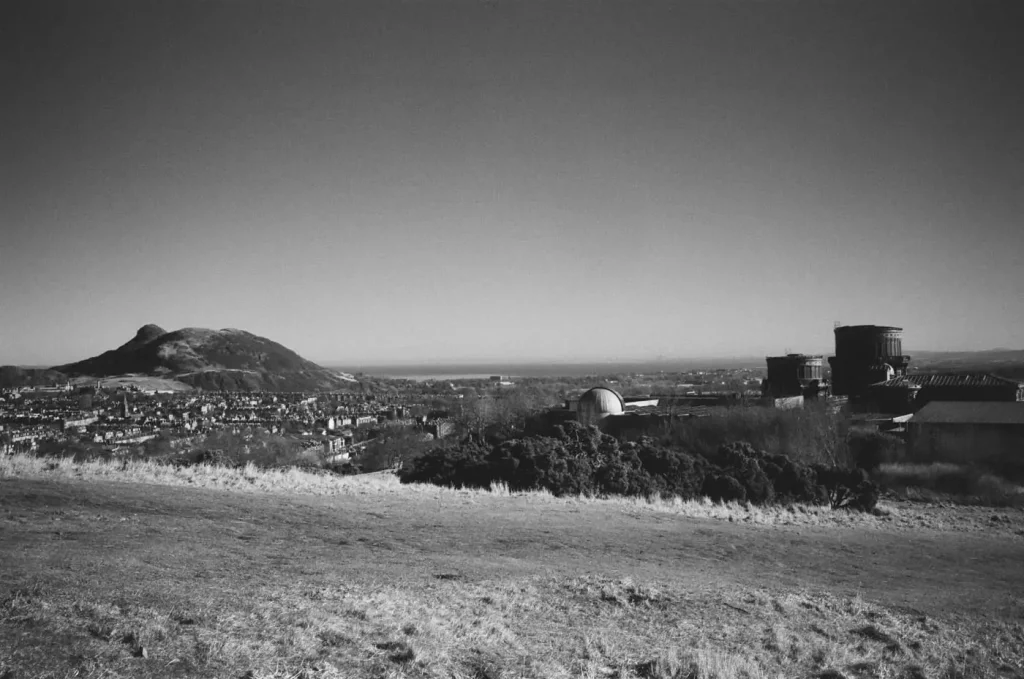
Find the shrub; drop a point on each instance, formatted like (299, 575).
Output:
(742, 461)
(343, 468)
(262, 449)
(217, 457)
(670, 472)
(583, 461)
(796, 483)
(461, 466)
(724, 488)
(531, 464)
(76, 450)
(393, 448)
(848, 487)
(871, 449)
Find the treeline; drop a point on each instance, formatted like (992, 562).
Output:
(582, 460)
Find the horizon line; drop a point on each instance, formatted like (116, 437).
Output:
(486, 362)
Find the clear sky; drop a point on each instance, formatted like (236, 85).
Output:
(511, 180)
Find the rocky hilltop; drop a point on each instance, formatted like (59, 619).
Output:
(229, 360)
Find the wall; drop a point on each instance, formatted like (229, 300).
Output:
(999, 447)
(894, 400)
(788, 402)
(636, 424)
(966, 393)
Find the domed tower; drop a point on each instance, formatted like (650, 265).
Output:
(597, 404)
(866, 354)
(794, 375)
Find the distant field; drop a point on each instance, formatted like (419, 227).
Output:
(144, 382)
(365, 578)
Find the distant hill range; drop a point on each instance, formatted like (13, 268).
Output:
(227, 360)
(1007, 363)
(17, 376)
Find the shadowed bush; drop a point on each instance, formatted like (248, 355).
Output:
(849, 488)
(871, 449)
(724, 488)
(456, 466)
(581, 460)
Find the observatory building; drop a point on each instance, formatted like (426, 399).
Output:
(598, 403)
(601, 406)
(866, 355)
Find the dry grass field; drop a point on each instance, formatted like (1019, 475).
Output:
(127, 570)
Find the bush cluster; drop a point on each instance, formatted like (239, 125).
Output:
(582, 460)
(871, 449)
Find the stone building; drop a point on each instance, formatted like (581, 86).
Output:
(912, 392)
(983, 433)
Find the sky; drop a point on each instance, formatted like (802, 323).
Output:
(511, 180)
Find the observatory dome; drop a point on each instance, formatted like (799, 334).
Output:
(599, 403)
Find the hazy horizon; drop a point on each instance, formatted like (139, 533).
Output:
(537, 366)
(385, 183)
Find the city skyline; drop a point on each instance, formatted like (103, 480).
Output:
(511, 182)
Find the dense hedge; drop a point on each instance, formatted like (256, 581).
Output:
(582, 460)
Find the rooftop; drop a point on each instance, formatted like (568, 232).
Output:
(968, 380)
(865, 328)
(901, 382)
(949, 380)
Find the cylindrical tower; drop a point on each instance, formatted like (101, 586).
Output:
(809, 368)
(793, 374)
(866, 354)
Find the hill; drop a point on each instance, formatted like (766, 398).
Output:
(17, 376)
(228, 360)
(1007, 363)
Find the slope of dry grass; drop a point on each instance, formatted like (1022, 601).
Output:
(251, 479)
(559, 626)
(105, 577)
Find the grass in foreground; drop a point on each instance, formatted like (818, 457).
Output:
(537, 627)
(383, 580)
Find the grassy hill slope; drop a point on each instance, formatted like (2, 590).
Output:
(383, 580)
